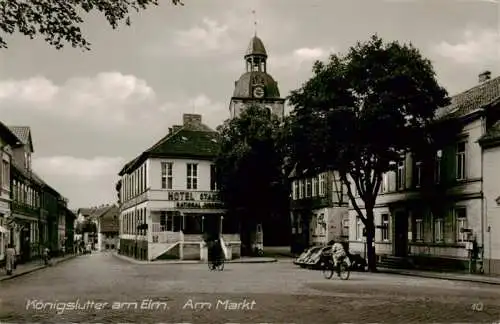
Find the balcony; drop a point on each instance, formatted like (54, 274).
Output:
(25, 209)
(161, 235)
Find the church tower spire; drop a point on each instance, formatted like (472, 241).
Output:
(256, 86)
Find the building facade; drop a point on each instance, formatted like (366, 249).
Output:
(7, 141)
(256, 86)
(440, 215)
(169, 198)
(319, 209)
(36, 207)
(108, 229)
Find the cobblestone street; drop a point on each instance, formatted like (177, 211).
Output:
(281, 291)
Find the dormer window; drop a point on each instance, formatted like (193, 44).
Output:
(27, 160)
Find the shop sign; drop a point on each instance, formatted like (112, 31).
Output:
(192, 196)
(198, 205)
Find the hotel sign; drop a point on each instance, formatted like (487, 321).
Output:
(195, 200)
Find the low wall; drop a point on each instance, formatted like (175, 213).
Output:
(491, 266)
(191, 251)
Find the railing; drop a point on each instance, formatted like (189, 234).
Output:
(193, 237)
(160, 235)
(231, 237)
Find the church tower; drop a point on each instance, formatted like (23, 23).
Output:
(256, 86)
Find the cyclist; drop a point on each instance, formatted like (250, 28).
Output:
(338, 254)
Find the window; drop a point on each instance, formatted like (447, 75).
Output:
(145, 177)
(418, 174)
(301, 189)
(385, 227)
(419, 229)
(5, 181)
(170, 223)
(359, 229)
(295, 189)
(192, 176)
(461, 221)
(308, 188)
(166, 175)
(345, 227)
(437, 167)
(460, 161)
(213, 178)
(400, 175)
(322, 184)
(314, 186)
(163, 221)
(384, 185)
(141, 179)
(438, 230)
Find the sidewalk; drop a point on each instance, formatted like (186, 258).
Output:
(240, 260)
(484, 279)
(29, 267)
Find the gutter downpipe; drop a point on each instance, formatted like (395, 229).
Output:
(484, 211)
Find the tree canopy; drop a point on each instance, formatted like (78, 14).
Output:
(360, 113)
(59, 21)
(249, 167)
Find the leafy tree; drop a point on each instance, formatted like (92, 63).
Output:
(360, 113)
(59, 21)
(249, 168)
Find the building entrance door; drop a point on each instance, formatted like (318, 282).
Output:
(401, 234)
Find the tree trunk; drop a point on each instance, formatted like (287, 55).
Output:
(370, 240)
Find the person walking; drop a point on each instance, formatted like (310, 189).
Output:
(10, 259)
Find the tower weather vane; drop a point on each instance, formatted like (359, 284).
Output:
(254, 22)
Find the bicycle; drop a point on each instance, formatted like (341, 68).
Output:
(217, 264)
(343, 269)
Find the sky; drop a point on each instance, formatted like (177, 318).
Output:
(91, 112)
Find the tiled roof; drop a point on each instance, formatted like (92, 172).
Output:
(109, 220)
(23, 133)
(469, 101)
(7, 134)
(190, 141)
(96, 213)
(187, 142)
(85, 211)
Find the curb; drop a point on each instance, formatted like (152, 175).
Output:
(269, 260)
(435, 276)
(19, 274)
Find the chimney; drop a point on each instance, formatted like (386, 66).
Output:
(169, 130)
(191, 119)
(485, 76)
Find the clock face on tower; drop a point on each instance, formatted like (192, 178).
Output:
(258, 92)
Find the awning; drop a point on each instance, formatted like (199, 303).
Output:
(3, 229)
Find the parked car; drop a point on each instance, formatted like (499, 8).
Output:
(315, 257)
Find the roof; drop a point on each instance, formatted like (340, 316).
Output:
(245, 85)
(98, 212)
(492, 136)
(191, 141)
(109, 219)
(23, 133)
(471, 100)
(85, 211)
(38, 179)
(8, 136)
(256, 47)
